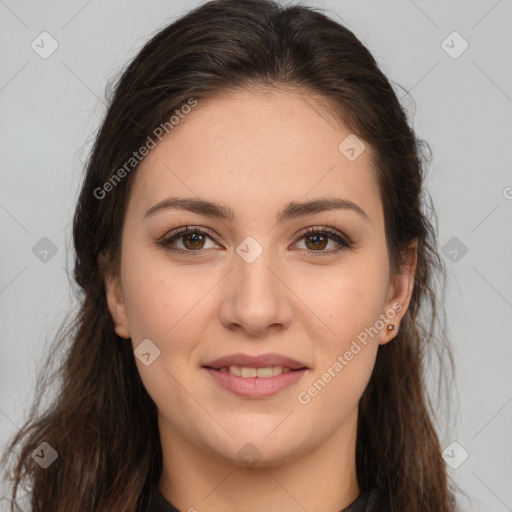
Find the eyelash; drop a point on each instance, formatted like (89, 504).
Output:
(344, 241)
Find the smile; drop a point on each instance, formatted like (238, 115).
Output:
(261, 373)
(255, 383)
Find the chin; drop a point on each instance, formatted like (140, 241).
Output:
(252, 451)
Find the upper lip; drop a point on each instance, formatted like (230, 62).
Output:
(261, 361)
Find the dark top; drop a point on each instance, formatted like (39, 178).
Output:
(371, 501)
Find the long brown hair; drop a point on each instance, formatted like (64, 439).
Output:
(102, 422)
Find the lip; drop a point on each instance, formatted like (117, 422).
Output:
(261, 361)
(256, 387)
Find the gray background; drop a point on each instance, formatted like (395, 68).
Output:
(50, 108)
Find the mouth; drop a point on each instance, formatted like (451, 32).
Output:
(256, 377)
(247, 372)
(255, 383)
(246, 364)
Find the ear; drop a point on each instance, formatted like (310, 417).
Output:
(114, 296)
(400, 293)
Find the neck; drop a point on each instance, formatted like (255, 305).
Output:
(323, 478)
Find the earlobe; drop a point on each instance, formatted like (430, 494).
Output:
(115, 302)
(400, 293)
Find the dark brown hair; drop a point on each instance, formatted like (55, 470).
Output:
(101, 421)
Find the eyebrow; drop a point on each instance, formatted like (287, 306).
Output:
(290, 211)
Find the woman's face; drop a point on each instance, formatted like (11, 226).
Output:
(251, 284)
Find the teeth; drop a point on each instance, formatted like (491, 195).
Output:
(248, 372)
(243, 371)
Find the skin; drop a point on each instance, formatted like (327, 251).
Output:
(255, 151)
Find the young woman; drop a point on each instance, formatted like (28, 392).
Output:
(254, 253)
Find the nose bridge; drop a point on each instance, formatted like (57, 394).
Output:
(253, 266)
(257, 298)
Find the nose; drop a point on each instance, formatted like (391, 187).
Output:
(256, 297)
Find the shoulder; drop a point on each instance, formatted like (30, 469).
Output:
(160, 504)
(378, 502)
(374, 500)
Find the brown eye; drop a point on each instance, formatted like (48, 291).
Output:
(318, 241)
(188, 241)
(193, 241)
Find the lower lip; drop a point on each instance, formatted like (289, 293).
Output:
(256, 387)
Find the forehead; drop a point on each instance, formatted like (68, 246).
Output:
(252, 148)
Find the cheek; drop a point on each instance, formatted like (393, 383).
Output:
(160, 297)
(345, 300)
(350, 306)
(162, 305)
